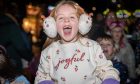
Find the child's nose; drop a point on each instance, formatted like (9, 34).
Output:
(104, 46)
(67, 20)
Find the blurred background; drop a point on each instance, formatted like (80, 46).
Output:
(100, 5)
(41, 8)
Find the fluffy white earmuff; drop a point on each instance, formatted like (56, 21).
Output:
(49, 25)
(85, 23)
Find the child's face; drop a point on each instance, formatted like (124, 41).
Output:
(107, 47)
(117, 33)
(67, 23)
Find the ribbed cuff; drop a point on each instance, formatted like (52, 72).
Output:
(46, 82)
(110, 81)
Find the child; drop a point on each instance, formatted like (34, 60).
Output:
(125, 53)
(109, 50)
(8, 73)
(71, 58)
(107, 44)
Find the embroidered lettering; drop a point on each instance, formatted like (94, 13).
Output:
(69, 61)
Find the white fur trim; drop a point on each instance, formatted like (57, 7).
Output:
(85, 23)
(49, 26)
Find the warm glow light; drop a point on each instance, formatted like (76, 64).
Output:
(34, 39)
(119, 5)
(32, 23)
(94, 8)
(113, 1)
(106, 11)
(123, 14)
(33, 10)
(137, 13)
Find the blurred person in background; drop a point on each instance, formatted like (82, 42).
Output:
(125, 51)
(98, 27)
(32, 25)
(9, 73)
(136, 38)
(109, 49)
(109, 18)
(13, 38)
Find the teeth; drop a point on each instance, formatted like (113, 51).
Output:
(67, 30)
(67, 27)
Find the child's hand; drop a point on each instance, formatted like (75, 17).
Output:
(110, 81)
(47, 82)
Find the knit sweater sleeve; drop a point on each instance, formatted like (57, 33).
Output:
(104, 67)
(44, 68)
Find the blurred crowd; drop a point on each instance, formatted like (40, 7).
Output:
(125, 35)
(23, 54)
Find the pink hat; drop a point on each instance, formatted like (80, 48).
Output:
(117, 24)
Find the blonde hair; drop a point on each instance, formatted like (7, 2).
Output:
(73, 4)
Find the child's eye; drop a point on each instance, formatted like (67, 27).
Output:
(101, 45)
(60, 18)
(109, 45)
(72, 17)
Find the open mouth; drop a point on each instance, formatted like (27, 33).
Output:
(67, 30)
(105, 51)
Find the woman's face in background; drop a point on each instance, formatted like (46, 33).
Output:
(111, 17)
(117, 33)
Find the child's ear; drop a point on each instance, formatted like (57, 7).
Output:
(49, 26)
(85, 23)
